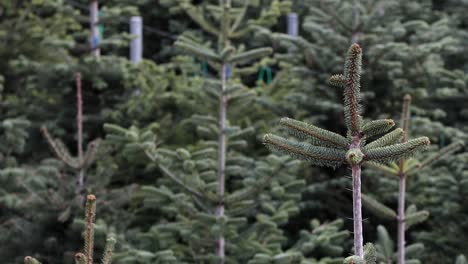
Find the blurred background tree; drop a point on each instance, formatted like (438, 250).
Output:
(412, 47)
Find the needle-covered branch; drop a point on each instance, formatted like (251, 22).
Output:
(397, 151)
(250, 55)
(378, 208)
(90, 154)
(453, 147)
(415, 218)
(388, 171)
(370, 254)
(60, 151)
(377, 127)
(198, 51)
(334, 149)
(108, 250)
(352, 97)
(196, 15)
(321, 156)
(317, 136)
(86, 257)
(89, 228)
(386, 140)
(405, 116)
(338, 80)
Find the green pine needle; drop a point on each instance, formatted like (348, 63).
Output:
(354, 260)
(414, 250)
(250, 55)
(352, 91)
(370, 254)
(453, 147)
(377, 127)
(198, 51)
(318, 136)
(388, 171)
(416, 218)
(338, 80)
(321, 156)
(386, 140)
(108, 251)
(90, 154)
(378, 208)
(397, 151)
(89, 228)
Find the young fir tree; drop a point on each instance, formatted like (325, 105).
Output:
(48, 43)
(83, 160)
(261, 193)
(87, 256)
(321, 244)
(38, 86)
(404, 42)
(401, 170)
(47, 186)
(326, 148)
(394, 34)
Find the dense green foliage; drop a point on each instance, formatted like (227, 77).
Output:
(155, 171)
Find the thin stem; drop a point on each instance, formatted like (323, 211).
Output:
(225, 25)
(80, 186)
(79, 116)
(401, 219)
(224, 42)
(174, 178)
(357, 204)
(222, 159)
(79, 135)
(240, 17)
(405, 118)
(357, 213)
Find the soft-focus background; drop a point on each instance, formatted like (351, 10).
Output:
(165, 103)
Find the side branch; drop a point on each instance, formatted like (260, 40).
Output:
(317, 155)
(89, 231)
(397, 151)
(318, 135)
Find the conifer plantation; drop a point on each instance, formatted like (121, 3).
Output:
(233, 132)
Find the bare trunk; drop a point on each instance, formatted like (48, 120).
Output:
(405, 116)
(222, 159)
(357, 204)
(79, 134)
(357, 212)
(401, 219)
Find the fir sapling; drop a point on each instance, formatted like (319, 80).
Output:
(86, 257)
(326, 148)
(84, 159)
(401, 169)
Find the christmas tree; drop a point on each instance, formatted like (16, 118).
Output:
(330, 149)
(156, 170)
